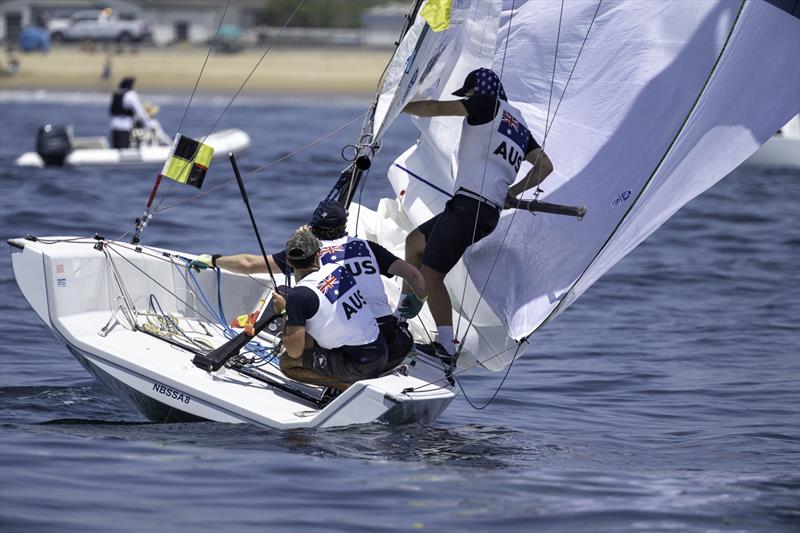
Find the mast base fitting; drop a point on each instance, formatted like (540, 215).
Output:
(363, 162)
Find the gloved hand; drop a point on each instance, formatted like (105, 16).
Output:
(410, 305)
(202, 262)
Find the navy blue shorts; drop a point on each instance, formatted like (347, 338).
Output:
(450, 233)
(398, 339)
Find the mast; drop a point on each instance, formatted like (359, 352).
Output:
(366, 147)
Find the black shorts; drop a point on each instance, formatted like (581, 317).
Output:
(450, 233)
(348, 363)
(398, 339)
(120, 139)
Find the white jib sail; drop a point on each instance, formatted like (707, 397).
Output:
(666, 98)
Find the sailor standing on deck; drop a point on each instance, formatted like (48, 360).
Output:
(125, 109)
(330, 337)
(494, 142)
(366, 260)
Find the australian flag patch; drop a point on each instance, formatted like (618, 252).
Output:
(350, 250)
(515, 130)
(337, 284)
(331, 254)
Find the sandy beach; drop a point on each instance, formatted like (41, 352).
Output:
(349, 71)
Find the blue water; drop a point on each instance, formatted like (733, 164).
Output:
(666, 399)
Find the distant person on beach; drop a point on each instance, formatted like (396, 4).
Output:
(126, 108)
(12, 68)
(105, 75)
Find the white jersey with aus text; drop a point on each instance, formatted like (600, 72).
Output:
(356, 255)
(490, 154)
(343, 317)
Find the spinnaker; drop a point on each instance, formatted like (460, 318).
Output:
(640, 106)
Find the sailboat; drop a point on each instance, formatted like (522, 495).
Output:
(641, 109)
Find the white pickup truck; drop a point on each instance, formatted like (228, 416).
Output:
(98, 25)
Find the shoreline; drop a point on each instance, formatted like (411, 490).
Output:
(302, 72)
(94, 96)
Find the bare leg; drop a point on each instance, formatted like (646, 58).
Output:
(415, 245)
(438, 299)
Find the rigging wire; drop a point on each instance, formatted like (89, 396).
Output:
(457, 373)
(216, 316)
(485, 167)
(553, 76)
(318, 140)
(571, 72)
(496, 391)
(514, 212)
(200, 75)
(183, 118)
(253, 70)
(236, 94)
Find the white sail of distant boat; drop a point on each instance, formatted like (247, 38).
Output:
(640, 106)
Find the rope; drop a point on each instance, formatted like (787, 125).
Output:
(514, 212)
(496, 391)
(200, 75)
(571, 72)
(233, 98)
(553, 76)
(318, 140)
(457, 373)
(253, 70)
(486, 164)
(253, 346)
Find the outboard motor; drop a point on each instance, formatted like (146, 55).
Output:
(53, 144)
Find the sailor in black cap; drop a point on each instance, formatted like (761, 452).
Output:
(367, 261)
(494, 142)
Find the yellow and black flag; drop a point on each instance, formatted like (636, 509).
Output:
(188, 161)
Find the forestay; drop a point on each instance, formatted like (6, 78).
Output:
(666, 98)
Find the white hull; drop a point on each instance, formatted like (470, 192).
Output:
(72, 287)
(223, 142)
(782, 149)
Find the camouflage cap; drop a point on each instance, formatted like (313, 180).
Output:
(302, 245)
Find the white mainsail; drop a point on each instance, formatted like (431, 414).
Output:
(662, 101)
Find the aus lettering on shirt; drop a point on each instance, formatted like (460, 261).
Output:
(353, 303)
(357, 268)
(511, 155)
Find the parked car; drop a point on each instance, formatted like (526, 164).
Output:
(98, 25)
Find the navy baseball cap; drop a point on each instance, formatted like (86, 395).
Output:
(329, 214)
(484, 82)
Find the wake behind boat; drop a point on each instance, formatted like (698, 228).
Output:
(56, 146)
